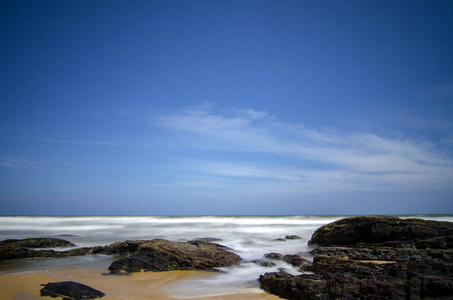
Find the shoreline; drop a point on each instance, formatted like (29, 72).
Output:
(251, 238)
(144, 285)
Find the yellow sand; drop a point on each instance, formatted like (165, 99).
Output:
(149, 285)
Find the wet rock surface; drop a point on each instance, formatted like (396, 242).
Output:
(296, 260)
(293, 237)
(14, 248)
(288, 237)
(37, 243)
(163, 255)
(69, 290)
(280, 240)
(273, 255)
(385, 230)
(373, 258)
(144, 255)
(10, 249)
(263, 263)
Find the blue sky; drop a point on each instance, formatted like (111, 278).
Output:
(226, 107)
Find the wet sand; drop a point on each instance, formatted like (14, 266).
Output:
(149, 285)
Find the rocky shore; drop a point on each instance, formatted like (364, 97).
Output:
(373, 257)
(141, 256)
(367, 257)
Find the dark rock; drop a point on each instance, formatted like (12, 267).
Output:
(72, 252)
(296, 260)
(293, 237)
(163, 255)
(69, 290)
(12, 249)
(9, 251)
(134, 264)
(379, 258)
(263, 263)
(283, 270)
(273, 255)
(38, 243)
(384, 229)
(440, 242)
(288, 286)
(198, 243)
(280, 240)
(122, 248)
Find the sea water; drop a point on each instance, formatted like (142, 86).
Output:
(248, 236)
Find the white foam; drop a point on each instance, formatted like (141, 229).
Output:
(237, 280)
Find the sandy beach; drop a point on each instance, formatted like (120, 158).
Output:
(149, 285)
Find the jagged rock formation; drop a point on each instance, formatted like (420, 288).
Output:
(13, 248)
(163, 255)
(37, 243)
(389, 231)
(293, 237)
(373, 257)
(144, 255)
(10, 249)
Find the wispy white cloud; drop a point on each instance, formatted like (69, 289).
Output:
(79, 142)
(312, 180)
(17, 163)
(345, 160)
(253, 114)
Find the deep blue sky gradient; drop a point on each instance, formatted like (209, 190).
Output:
(226, 107)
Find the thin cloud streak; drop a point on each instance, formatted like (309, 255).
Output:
(309, 180)
(17, 163)
(352, 161)
(95, 143)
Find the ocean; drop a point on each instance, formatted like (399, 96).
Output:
(249, 236)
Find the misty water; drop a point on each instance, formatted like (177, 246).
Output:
(249, 236)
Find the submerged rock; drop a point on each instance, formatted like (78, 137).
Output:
(273, 255)
(263, 263)
(69, 290)
(296, 260)
(293, 259)
(376, 258)
(293, 237)
(280, 240)
(163, 255)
